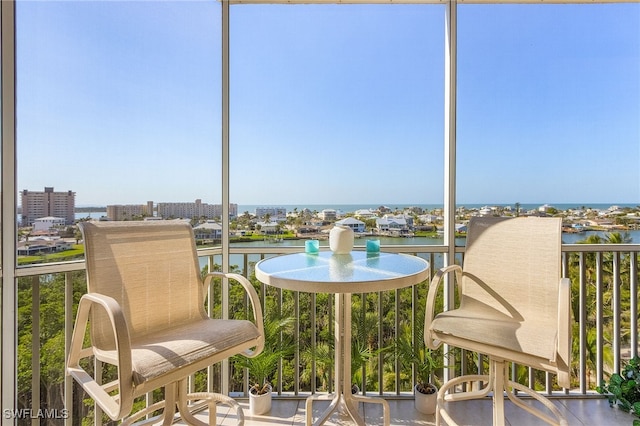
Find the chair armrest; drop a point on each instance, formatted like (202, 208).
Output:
(255, 304)
(120, 405)
(565, 326)
(431, 300)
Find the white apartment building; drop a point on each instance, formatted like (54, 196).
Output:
(38, 204)
(194, 210)
(129, 211)
(328, 214)
(273, 212)
(46, 223)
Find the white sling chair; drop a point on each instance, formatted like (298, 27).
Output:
(514, 307)
(145, 309)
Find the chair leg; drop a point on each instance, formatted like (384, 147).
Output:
(212, 400)
(498, 371)
(443, 396)
(499, 384)
(170, 396)
(176, 396)
(557, 420)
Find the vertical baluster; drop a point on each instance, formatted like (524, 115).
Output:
(35, 347)
(363, 317)
(279, 294)
(396, 334)
(314, 337)
(616, 312)
(380, 344)
(296, 336)
(583, 323)
(97, 411)
(565, 274)
(210, 310)
(68, 331)
(599, 322)
(633, 284)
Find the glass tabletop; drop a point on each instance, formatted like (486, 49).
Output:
(357, 272)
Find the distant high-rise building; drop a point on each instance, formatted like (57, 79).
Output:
(194, 210)
(129, 211)
(36, 204)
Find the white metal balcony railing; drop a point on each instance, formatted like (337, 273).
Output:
(605, 314)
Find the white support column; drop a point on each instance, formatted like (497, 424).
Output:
(450, 81)
(9, 347)
(450, 70)
(225, 177)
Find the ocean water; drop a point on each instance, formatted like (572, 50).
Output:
(238, 259)
(345, 208)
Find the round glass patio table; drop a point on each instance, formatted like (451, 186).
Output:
(343, 274)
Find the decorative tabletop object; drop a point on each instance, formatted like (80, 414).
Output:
(341, 239)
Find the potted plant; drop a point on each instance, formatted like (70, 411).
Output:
(623, 389)
(425, 362)
(278, 344)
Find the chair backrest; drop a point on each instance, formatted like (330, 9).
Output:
(150, 268)
(513, 265)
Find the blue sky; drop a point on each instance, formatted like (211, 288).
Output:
(120, 102)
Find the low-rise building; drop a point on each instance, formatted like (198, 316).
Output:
(47, 223)
(357, 225)
(328, 215)
(268, 227)
(42, 246)
(393, 225)
(365, 214)
(209, 230)
(275, 213)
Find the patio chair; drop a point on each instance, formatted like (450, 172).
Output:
(145, 308)
(513, 307)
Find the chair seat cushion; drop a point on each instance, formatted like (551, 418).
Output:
(162, 352)
(477, 322)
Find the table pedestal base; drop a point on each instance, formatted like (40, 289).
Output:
(342, 397)
(349, 404)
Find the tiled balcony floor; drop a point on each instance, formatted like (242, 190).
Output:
(587, 412)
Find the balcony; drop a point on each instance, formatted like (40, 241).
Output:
(603, 277)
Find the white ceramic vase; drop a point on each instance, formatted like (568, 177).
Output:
(341, 239)
(425, 403)
(260, 404)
